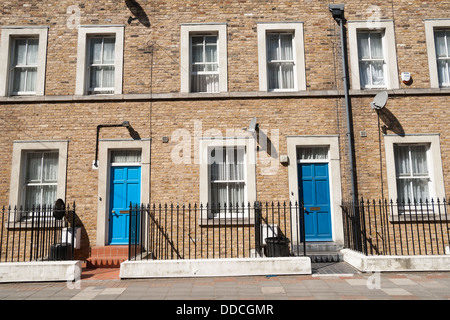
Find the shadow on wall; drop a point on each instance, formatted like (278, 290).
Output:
(391, 123)
(138, 13)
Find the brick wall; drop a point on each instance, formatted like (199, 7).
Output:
(152, 65)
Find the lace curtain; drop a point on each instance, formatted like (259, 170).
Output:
(41, 178)
(101, 61)
(280, 59)
(371, 59)
(227, 176)
(442, 41)
(412, 172)
(25, 65)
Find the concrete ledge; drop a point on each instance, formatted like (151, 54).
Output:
(215, 267)
(396, 263)
(40, 271)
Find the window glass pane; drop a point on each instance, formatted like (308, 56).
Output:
(235, 158)
(287, 75)
(363, 45)
(236, 194)
(443, 71)
(211, 53)
(20, 54)
(273, 47)
(50, 173)
(95, 50)
(126, 156)
(312, 153)
(34, 166)
(218, 194)
(377, 69)
(419, 160)
(439, 39)
(376, 45)
(48, 195)
(33, 196)
(403, 189)
(108, 77)
(109, 50)
(31, 80)
(32, 52)
(286, 47)
(205, 83)
(402, 163)
(420, 189)
(274, 76)
(197, 51)
(20, 78)
(96, 77)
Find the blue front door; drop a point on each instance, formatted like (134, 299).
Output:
(314, 192)
(125, 189)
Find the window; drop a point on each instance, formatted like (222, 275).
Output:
(373, 55)
(38, 173)
(412, 172)
(414, 167)
(24, 66)
(442, 40)
(100, 60)
(41, 179)
(204, 64)
(24, 49)
(281, 57)
(204, 58)
(371, 59)
(227, 176)
(437, 34)
(280, 61)
(101, 66)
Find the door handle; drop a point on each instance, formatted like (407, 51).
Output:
(113, 211)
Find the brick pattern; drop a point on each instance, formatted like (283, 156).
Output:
(152, 65)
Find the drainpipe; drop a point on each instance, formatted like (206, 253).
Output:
(125, 124)
(337, 10)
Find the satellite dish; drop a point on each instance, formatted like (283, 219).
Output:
(379, 101)
(253, 126)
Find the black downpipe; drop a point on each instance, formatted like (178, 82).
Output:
(338, 15)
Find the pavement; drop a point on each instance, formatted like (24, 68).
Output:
(329, 281)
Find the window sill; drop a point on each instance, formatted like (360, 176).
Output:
(226, 222)
(28, 224)
(412, 217)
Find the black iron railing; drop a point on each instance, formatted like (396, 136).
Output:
(215, 231)
(397, 228)
(37, 234)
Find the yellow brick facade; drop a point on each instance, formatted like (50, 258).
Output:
(152, 102)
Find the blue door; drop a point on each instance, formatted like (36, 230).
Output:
(125, 188)
(314, 192)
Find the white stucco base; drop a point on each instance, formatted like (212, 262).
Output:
(40, 271)
(215, 267)
(396, 263)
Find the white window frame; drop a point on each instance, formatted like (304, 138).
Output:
(18, 168)
(84, 33)
(294, 28)
(434, 162)
(187, 30)
(205, 146)
(6, 54)
(430, 27)
(389, 49)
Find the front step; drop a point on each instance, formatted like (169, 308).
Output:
(107, 257)
(321, 251)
